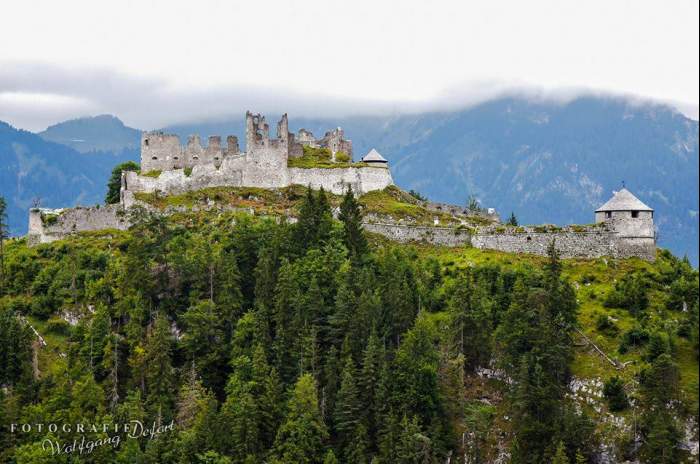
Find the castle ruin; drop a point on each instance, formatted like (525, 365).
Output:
(169, 168)
(624, 226)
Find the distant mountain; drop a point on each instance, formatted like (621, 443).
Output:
(547, 162)
(97, 133)
(33, 169)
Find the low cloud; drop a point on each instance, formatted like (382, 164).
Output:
(35, 95)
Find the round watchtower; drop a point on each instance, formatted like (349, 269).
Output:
(628, 215)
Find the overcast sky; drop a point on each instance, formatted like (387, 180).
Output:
(155, 63)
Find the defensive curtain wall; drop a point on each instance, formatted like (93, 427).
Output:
(589, 241)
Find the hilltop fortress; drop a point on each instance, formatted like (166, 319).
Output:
(169, 168)
(624, 226)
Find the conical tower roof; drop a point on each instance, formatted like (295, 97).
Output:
(623, 200)
(373, 156)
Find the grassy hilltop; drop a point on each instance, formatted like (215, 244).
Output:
(315, 342)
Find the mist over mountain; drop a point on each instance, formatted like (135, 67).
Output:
(549, 162)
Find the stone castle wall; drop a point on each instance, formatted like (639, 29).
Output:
(162, 152)
(571, 242)
(46, 225)
(241, 172)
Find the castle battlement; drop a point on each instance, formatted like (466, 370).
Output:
(164, 152)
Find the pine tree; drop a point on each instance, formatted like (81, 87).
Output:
(560, 456)
(15, 350)
(470, 321)
(286, 297)
(330, 458)
(301, 438)
(323, 218)
(512, 220)
(413, 446)
(372, 361)
(115, 180)
(356, 450)
(347, 406)
(159, 374)
(269, 396)
(353, 235)
(304, 232)
(331, 377)
(660, 384)
(196, 408)
(111, 361)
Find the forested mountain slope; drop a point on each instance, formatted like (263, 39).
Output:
(263, 341)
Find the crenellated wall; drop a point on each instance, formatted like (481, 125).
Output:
(163, 152)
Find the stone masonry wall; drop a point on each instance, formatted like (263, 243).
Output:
(337, 180)
(444, 236)
(48, 225)
(571, 242)
(242, 172)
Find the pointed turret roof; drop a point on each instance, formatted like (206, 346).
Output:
(623, 200)
(373, 156)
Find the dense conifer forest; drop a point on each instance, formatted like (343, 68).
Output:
(241, 339)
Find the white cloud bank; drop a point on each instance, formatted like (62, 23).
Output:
(159, 62)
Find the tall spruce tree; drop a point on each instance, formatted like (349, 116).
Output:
(159, 372)
(353, 235)
(302, 436)
(347, 406)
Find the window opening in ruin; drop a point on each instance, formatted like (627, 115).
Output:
(635, 214)
(529, 238)
(608, 214)
(154, 158)
(145, 142)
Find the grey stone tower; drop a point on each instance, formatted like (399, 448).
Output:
(633, 221)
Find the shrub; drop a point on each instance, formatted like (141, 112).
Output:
(606, 325)
(48, 219)
(659, 343)
(614, 392)
(588, 279)
(187, 172)
(630, 293)
(342, 157)
(42, 306)
(636, 336)
(58, 326)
